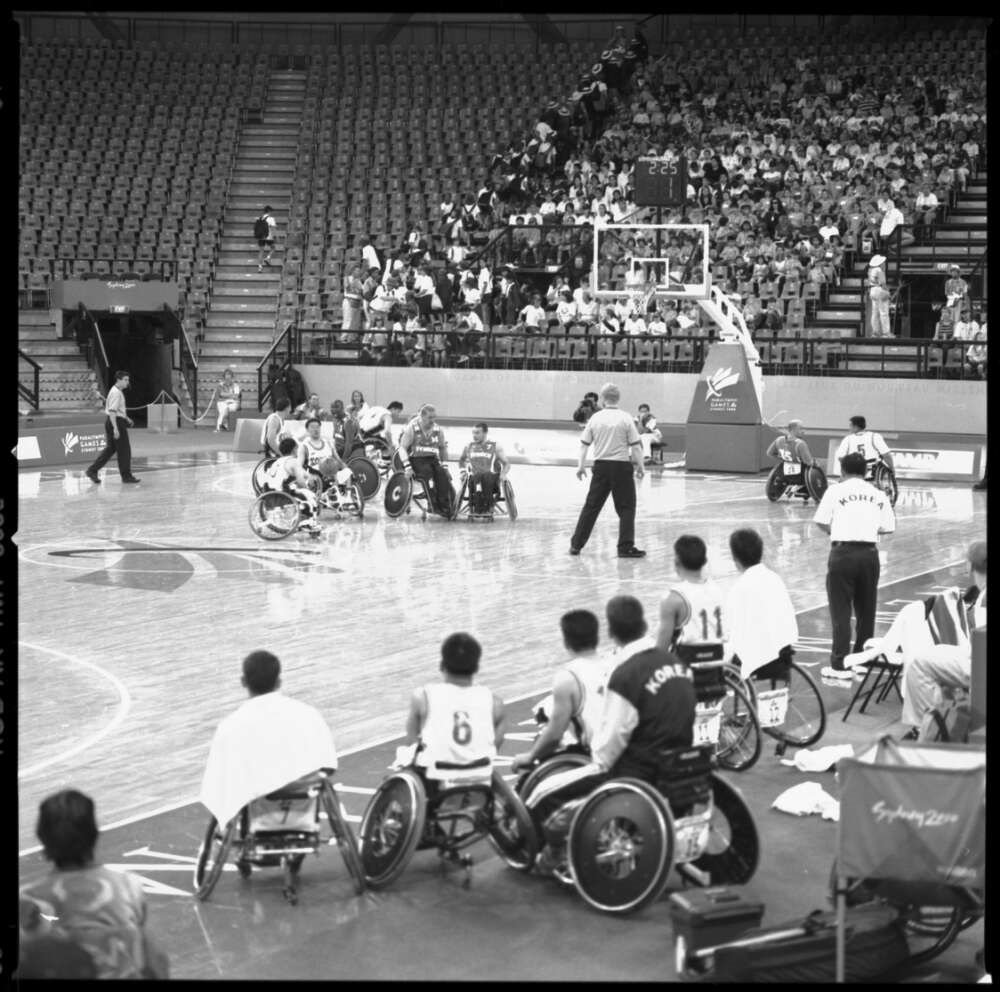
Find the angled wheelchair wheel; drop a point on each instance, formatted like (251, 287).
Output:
(274, 515)
(885, 479)
(398, 493)
(775, 485)
(733, 850)
(739, 731)
(454, 503)
(621, 846)
(366, 475)
(391, 827)
(816, 483)
(805, 719)
(508, 498)
(212, 856)
(259, 471)
(343, 835)
(512, 832)
(550, 766)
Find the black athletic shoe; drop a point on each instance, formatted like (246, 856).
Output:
(132, 479)
(92, 475)
(632, 553)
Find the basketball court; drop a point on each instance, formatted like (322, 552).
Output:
(137, 605)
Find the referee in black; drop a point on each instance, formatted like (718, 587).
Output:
(853, 512)
(617, 452)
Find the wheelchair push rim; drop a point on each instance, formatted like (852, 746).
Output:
(733, 851)
(509, 500)
(816, 482)
(274, 515)
(259, 471)
(398, 493)
(367, 475)
(885, 479)
(212, 857)
(512, 832)
(739, 731)
(775, 485)
(805, 718)
(391, 828)
(549, 766)
(344, 836)
(621, 846)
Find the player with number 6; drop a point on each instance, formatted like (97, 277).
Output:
(457, 726)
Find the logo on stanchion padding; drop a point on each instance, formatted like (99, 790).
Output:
(719, 380)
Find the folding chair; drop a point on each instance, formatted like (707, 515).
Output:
(887, 675)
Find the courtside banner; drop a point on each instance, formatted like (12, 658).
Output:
(68, 445)
(938, 459)
(724, 393)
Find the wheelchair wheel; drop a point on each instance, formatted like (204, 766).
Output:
(344, 837)
(733, 851)
(212, 857)
(739, 731)
(550, 766)
(398, 493)
(258, 473)
(621, 846)
(274, 515)
(508, 497)
(391, 827)
(512, 832)
(805, 719)
(885, 479)
(775, 485)
(367, 476)
(816, 483)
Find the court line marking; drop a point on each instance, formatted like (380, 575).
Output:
(124, 706)
(371, 745)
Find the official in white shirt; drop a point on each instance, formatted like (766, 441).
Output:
(759, 614)
(853, 512)
(116, 433)
(613, 439)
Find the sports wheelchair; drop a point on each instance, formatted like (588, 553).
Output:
(403, 817)
(627, 835)
(483, 506)
(279, 830)
(339, 490)
(400, 492)
(882, 477)
(795, 480)
(259, 473)
(370, 460)
(275, 514)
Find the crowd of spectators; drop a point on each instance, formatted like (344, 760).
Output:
(793, 162)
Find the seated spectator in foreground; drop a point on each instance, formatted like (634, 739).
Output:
(269, 741)
(100, 910)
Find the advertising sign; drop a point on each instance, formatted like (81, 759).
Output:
(942, 461)
(724, 393)
(70, 444)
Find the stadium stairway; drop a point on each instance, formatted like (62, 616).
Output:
(66, 382)
(240, 326)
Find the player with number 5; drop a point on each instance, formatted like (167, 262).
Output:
(457, 726)
(691, 621)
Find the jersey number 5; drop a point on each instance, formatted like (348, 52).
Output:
(461, 731)
(718, 624)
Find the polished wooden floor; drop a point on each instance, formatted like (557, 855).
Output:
(138, 603)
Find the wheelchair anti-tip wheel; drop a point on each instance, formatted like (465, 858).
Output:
(260, 470)
(212, 856)
(366, 474)
(775, 485)
(342, 834)
(816, 483)
(391, 827)
(274, 515)
(621, 846)
(509, 501)
(398, 493)
(733, 851)
(885, 479)
(512, 832)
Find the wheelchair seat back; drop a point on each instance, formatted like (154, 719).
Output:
(683, 776)
(707, 670)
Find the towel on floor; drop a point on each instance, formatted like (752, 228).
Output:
(269, 741)
(820, 760)
(808, 798)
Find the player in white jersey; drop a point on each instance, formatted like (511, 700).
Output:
(318, 456)
(691, 620)
(458, 726)
(273, 430)
(376, 421)
(287, 475)
(573, 711)
(865, 442)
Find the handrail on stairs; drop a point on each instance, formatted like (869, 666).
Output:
(31, 394)
(273, 362)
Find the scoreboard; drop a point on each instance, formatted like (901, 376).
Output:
(660, 182)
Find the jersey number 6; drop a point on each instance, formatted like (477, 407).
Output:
(461, 731)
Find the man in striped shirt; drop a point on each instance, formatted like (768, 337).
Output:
(116, 429)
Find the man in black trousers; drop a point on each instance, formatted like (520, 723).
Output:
(116, 429)
(612, 436)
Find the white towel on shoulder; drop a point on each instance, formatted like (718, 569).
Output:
(269, 741)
